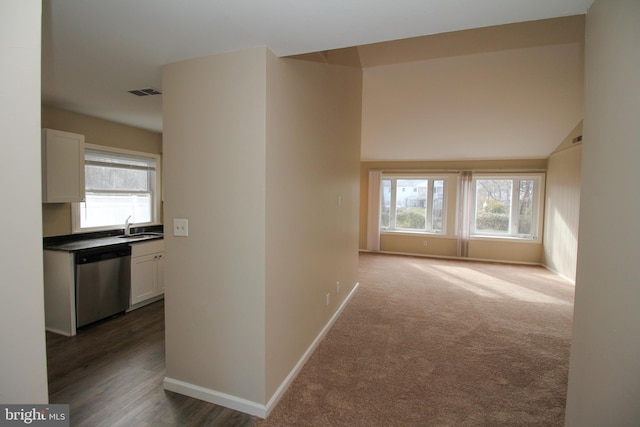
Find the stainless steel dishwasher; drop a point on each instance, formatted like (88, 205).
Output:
(103, 282)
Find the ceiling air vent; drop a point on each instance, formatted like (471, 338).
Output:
(577, 139)
(145, 92)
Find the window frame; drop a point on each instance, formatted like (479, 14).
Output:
(156, 192)
(537, 207)
(430, 178)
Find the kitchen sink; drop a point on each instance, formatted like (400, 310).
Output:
(140, 235)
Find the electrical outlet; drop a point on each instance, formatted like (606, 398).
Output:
(424, 243)
(180, 227)
(328, 298)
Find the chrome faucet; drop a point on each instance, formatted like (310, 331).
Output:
(127, 226)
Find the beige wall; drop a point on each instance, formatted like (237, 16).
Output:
(23, 362)
(214, 119)
(562, 207)
(262, 158)
(312, 195)
(56, 217)
(604, 372)
(502, 250)
(414, 244)
(503, 92)
(102, 132)
(474, 99)
(506, 250)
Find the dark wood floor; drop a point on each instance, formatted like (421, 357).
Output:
(111, 375)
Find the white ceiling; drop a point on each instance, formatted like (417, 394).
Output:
(94, 51)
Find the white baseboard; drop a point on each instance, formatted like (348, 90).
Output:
(213, 396)
(307, 354)
(454, 258)
(59, 332)
(573, 282)
(247, 406)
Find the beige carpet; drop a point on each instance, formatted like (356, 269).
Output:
(428, 342)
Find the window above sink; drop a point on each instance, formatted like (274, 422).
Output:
(118, 184)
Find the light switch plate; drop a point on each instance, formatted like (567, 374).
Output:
(180, 227)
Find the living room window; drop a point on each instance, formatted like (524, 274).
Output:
(506, 206)
(118, 184)
(413, 204)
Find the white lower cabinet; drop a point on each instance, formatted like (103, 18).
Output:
(147, 272)
(59, 292)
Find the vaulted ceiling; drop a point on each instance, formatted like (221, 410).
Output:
(95, 51)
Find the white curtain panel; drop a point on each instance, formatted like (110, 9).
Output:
(373, 220)
(464, 213)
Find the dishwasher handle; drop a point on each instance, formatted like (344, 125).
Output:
(102, 254)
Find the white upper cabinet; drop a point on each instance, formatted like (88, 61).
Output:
(62, 167)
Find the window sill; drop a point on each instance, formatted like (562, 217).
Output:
(414, 233)
(513, 239)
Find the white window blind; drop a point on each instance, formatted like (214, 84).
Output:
(118, 185)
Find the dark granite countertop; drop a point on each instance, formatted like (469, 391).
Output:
(84, 241)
